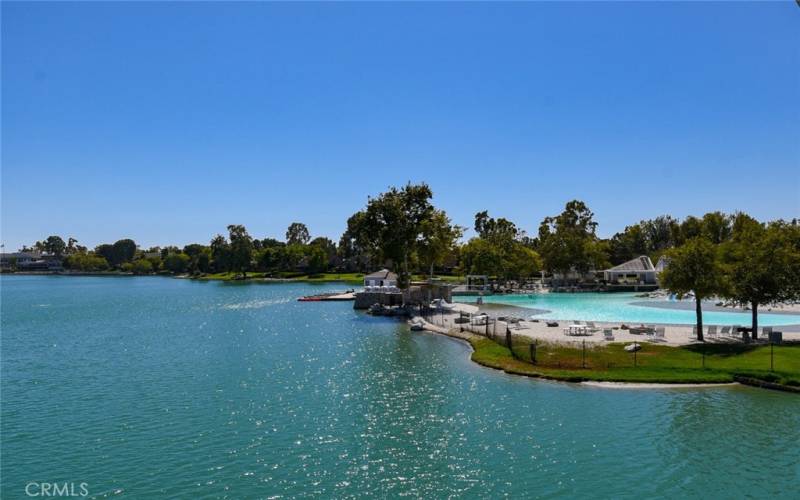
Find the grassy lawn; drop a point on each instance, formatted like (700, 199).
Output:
(354, 278)
(349, 278)
(229, 276)
(654, 363)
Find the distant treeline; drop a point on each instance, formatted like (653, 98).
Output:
(403, 230)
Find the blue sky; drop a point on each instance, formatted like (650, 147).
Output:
(166, 122)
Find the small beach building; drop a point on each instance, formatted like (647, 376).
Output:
(384, 277)
(638, 271)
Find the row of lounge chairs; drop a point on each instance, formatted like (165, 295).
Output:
(730, 332)
(656, 333)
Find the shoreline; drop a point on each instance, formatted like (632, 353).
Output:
(575, 376)
(654, 385)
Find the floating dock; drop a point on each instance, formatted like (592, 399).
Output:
(329, 297)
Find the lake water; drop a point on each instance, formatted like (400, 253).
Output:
(155, 387)
(627, 307)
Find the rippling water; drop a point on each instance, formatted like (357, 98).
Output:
(146, 387)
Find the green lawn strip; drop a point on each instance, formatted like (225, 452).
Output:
(655, 363)
(229, 276)
(349, 278)
(353, 278)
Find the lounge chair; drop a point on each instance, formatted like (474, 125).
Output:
(766, 332)
(712, 331)
(591, 326)
(694, 332)
(608, 334)
(660, 334)
(725, 331)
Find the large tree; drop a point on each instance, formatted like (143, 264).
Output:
(54, 245)
(241, 248)
(357, 248)
(220, 253)
(568, 241)
(123, 251)
(693, 267)
(499, 250)
(391, 226)
(762, 264)
(177, 263)
(438, 238)
(297, 234)
(105, 251)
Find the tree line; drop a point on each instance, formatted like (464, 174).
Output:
(726, 255)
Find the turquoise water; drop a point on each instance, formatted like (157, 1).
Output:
(155, 387)
(626, 307)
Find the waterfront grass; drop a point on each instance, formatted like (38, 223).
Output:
(349, 278)
(352, 278)
(230, 276)
(653, 364)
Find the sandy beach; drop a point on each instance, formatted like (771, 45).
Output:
(674, 335)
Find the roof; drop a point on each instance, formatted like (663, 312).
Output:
(32, 255)
(641, 263)
(383, 274)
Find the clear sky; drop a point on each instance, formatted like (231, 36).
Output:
(166, 122)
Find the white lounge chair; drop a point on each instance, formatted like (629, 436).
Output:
(660, 334)
(608, 334)
(694, 332)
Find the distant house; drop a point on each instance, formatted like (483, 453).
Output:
(29, 261)
(384, 277)
(638, 271)
(17, 259)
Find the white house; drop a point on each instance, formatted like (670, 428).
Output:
(384, 277)
(29, 261)
(638, 271)
(18, 259)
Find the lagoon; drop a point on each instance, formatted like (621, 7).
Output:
(154, 387)
(627, 307)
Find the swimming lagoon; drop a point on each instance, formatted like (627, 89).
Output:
(627, 308)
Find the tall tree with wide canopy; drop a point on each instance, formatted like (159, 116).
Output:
(762, 265)
(500, 249)
(123, 251)
(693, 267)
(391, 226)
(55, 245)
(568, 241)
(220, 253)
(297, 234)
(438, 238)
(241, 248)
